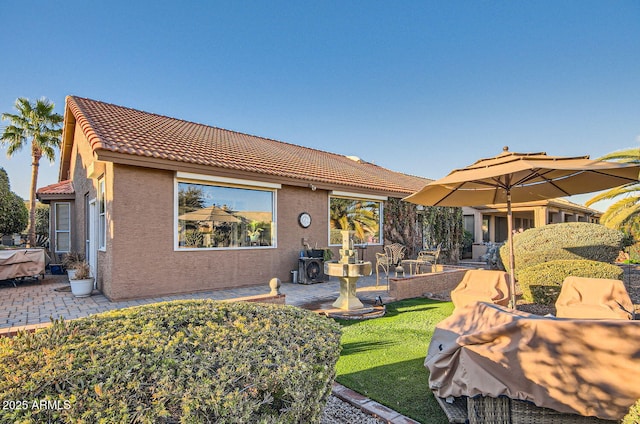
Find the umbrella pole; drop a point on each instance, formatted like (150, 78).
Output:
(512, 274)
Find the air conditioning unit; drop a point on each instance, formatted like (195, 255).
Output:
(311, 270)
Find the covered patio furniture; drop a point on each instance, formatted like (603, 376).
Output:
(517, 361)
(22, 263)
(481, 285)
(593, 298)
(391, 258)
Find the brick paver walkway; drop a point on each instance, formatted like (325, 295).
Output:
(34, 303)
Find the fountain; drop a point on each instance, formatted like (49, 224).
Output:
(348, 270)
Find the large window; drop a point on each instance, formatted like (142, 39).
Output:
(216, 216)
(63, 227)
(362, 216)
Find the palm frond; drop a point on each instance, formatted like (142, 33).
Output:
(620, 211)
(614, 192)
(623, 216)
(627, 156)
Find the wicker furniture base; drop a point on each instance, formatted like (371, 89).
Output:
(483, 410)
(503, 410)
(455, 411)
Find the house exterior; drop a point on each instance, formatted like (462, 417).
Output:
(161, 205)
(488, 224)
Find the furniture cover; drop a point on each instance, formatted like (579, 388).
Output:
(597, 298)
(479, 285)
(576, 366)
(21, 263)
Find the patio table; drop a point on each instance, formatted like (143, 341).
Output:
(414, 264)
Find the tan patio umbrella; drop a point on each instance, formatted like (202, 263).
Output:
(210, 213)
(521, 177)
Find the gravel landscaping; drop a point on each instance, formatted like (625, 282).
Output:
(339, 412)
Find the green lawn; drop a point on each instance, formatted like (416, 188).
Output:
(383, 358)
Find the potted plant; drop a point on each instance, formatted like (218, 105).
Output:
(70, 261)
(82, 281)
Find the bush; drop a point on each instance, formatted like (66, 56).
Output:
(571, 240)
(633, 417)
(184, 361)
(541, 283)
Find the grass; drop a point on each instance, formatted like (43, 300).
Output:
(383, 358)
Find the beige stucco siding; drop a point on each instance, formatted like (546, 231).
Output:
(144, 262)
(81, 158)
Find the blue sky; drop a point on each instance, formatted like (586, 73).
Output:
(419, 87)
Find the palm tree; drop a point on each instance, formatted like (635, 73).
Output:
(35, 122)
(625, 213)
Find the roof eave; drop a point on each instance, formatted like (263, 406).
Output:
(68, 131)
(157, 163)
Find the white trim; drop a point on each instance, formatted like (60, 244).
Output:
(225, 180)
(358, 195)
(92, 249)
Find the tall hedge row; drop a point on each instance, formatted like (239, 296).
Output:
(185, 361)
(571, 240)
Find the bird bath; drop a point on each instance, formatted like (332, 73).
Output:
(348, 270)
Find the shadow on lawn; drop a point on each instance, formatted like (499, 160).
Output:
(359, 347)
(402, 386)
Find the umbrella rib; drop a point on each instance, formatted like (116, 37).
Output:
(448, 194)
(537, 174)
(628, 180)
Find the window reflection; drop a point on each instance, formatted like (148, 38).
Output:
(358, 215)
(211, 216)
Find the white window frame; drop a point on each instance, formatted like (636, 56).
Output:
(187, 177)
(57, 231)
(102, 216)
(357, 196)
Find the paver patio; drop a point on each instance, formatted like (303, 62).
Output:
(36, 303)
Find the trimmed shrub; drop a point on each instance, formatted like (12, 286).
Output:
(633, 417)
(541, 283)
(185, 361)
(570, 240)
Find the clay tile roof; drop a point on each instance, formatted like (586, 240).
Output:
(61, 188)
(133, 132)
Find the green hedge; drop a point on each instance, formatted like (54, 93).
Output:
(185, 361)
(633, 417)
(541, 283)
(571, 240)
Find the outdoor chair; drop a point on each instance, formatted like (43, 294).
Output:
(481, 285)
(595, 298)
(391, 258)
(428, 257)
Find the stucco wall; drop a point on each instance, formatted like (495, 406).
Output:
(81, 158)
(141, 233)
